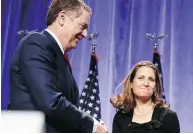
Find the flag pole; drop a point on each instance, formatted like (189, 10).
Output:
(155, 38)
(93, 38)
(90, 99)
(156, 57)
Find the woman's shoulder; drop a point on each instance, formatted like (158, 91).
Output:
(122, 117)
(121, 113)
(167, 110)
(170, 113)
(170, 121)
(167, 113)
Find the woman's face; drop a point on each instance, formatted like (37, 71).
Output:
(144, 84)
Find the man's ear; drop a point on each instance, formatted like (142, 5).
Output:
(61, 17)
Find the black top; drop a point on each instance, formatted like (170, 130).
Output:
(163, 120)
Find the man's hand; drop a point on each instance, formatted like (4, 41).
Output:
(101, 128)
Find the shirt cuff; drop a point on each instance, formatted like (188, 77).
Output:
(95, 125)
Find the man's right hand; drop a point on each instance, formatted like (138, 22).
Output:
(101, 128)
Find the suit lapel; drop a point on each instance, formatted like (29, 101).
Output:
(57, 48)
(74, 93)
(55, 44)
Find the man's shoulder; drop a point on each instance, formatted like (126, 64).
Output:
(34, 37)
(34, 42)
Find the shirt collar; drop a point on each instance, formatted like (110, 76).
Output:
(57, 40)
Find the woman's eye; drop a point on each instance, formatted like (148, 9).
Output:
(151, 79)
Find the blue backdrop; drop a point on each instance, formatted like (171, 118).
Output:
(122, 25)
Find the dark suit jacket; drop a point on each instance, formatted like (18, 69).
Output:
(41, 79)
(163, 120)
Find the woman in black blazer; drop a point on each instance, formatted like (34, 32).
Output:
(140, 108)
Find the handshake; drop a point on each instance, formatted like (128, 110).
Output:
(101, 128)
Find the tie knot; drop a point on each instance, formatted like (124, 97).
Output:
(66, 56)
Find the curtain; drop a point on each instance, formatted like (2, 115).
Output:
(122, 25)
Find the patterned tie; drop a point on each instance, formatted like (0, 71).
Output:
(67, 59)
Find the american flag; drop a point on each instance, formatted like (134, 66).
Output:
(157, 63)
(89, 99)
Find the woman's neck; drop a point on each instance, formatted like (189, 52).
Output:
(143, 106)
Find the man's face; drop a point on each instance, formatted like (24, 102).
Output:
(75, 28)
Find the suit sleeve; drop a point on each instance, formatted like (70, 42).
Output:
(116, 126)
(37, 67)
(171, 122)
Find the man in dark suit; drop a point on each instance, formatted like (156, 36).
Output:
(40, 77)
